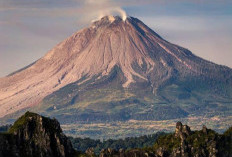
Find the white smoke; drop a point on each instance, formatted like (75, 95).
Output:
(113, 11)
(100, 8)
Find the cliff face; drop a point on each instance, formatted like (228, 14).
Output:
(35, 136)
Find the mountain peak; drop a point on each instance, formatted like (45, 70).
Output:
(90, 56)
(110, 19)
(114, 17)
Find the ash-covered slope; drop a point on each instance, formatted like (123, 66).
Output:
(121, 70)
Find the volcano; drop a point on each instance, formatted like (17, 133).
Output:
(118, 69)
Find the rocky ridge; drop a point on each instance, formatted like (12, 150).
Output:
(33, 135)
(182, 143)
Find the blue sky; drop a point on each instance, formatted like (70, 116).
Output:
(30, 28)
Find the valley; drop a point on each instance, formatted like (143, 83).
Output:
(135, 128)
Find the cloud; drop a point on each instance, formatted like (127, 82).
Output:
(32, 4)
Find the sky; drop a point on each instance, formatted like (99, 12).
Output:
(30, 28)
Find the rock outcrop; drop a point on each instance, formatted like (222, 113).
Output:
(33, 135)
(183, 143)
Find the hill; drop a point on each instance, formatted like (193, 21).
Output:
(35, 136)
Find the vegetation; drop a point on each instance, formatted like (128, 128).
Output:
(19, 124)
(203, 142)
(168, 142)
(33, 134)
(126, 144)
(5, 128)
(197, 143)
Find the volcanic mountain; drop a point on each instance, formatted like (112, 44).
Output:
(118, 70)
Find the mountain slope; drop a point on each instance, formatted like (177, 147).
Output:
(118, 70)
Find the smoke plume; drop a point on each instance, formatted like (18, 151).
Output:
(100, 8)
